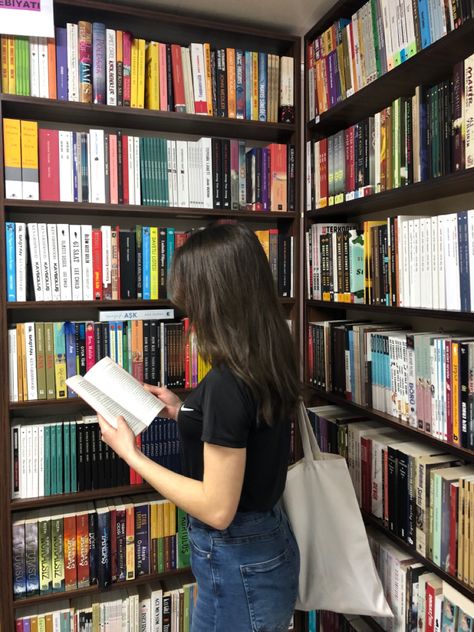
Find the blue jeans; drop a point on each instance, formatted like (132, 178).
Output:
(247, 574)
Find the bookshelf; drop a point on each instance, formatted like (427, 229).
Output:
(150, 25)
(430, 65)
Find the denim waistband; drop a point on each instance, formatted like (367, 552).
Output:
(241, 518)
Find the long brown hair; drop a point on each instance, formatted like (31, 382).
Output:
(222, 280)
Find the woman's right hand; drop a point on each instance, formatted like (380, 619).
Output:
(172, 401)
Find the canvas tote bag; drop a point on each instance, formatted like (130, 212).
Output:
(337, 569)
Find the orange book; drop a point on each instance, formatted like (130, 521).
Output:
(113, 169)
(278, 176)
(455, 392)
(82, 549)
(231, 87)
(320, 86)
(137, 349)
(130, 539)
(264, 239)
(11, 65)
(52, 69)
(70, 560)
(207, 69)
(48, 620)
(4, 62)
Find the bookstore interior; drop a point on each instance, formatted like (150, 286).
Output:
(341, 132)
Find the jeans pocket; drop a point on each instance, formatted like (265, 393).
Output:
(271, 588)
(200, 541)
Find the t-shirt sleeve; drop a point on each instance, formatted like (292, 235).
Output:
(227, 412)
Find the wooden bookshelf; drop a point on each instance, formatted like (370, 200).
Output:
(151, 25)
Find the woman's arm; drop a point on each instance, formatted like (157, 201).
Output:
(213, 500)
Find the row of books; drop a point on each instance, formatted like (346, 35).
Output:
(102, 543)
(155, 607)
(100, 167)
(416, 138)
(380, 36)
(64, 457)
(160, 606)
(405, 261)
(422, 379)
(89, 63)
(43, 355)
(420, 495)
(63, 262)
(333, 622)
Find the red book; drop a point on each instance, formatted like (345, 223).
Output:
(127, 65)
(138, 478)
(278, 177)
(187, 377)
(19, 625)
(82, 540)
(113, 168)
(113, 544)
(352, 173)
(365, 461)
(70, 561)
(49, 164)
(179, 239)
(310, 355)
(133, 477)
(385, 485)
(449, 398)
(163, 77)
(323, 172)
(429, 605)
(90, 345)
(97, 263)
(126, 185)
(178, 81)
(453, 527)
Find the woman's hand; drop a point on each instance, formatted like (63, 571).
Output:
(172, 401)
(120, 439)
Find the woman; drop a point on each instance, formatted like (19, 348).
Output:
(235, 435)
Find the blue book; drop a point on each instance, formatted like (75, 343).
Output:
(103, 544)
(53, 461)
(146, 263)
(75, 167)
(169, 248)
(142, 549)
(31, 557)
(98, 63)
(73, 452)
(61, 63)
(11, 263)
(240, 83)
(262, 87)
(47, 459)
(424, 18)
(464, 276)
(351, 360)
(248, 85)
(71, 367)
(92, 548)
(18, 559)
(84, 167)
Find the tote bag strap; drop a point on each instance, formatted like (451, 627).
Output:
(311, 448)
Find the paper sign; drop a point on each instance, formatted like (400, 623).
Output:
(27, 17)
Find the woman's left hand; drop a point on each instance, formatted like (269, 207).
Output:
(120, 439)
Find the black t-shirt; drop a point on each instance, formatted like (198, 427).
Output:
(221, 410)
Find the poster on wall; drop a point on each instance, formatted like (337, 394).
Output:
(27, 17)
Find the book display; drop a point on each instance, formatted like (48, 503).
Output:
(121, 136)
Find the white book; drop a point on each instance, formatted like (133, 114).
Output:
(87, 270)
(34, 67)
(77, 145)
(169, 171)
(136, 172)
(414, 262)
(37, 270)
(438, 605)
(192, 174)
(188, 80)
(470, 232)
(136, 314)
(308, 174)
(311, 94)
(30, 348)
(29, 461)
(43, 67)
(52, 230)
(23, 462)
(182, 173)
(35, 461)
(469, 111)
(106, 255)
(72, 32)
(350, 38)
(317, 180)
(206, 149)
(157, 608)
(76, 261)
(44, 259)
(405, 261)
(65, 279)
(111, 391)
(40, 460)
(12, 366)
(66, 172)
(410, 22)
(111, 66)
(441, 262)
(434, 272)
(174, 172)
(199, 79)
(427, 280)
(21, 256)
(89, 167)
(287, 92)
(453, 290)
(97, 166)
(131, 170)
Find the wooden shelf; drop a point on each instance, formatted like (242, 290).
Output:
(434, 189)
(398, 311)
(429, 66)
(464, 453)
(79, 497)
(130, 210)
(72, 113)
(70, 402)
(94, 590)
(453, 581)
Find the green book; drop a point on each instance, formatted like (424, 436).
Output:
(125, 345)
(44, 553)
(47, 459)
(166, 166)
(26, 54)
(378, 62)
(187, 590)
(59, 458)
(40, 361)
(57, 553)
(67, 457)
(396, 143)
(54, 454)
(18, 66)
(49, 359)
(155, 170)
(161, 555)
(183, 555)
(143, 173)
(73, 456)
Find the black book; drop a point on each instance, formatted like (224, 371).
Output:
(92, 548)
(139, 260)
(146, 352)
(103, 545)
(360, 156)
(94, 440)
(166, 613)
(464, 392)
(128, 264)
(409, 139)
(80, 456)
(214, 80)
(403, 498)
(291, 170)
(249, 173)
(154, 360)
(87, 438)
(105, 346)
(169, 77)
(447, 127)
(162, 271)
(100, 457)
(217, 172)
(258, 179)
(221, 83)
(402, 142)
(392, 490)
(226, 196)
(284, 265)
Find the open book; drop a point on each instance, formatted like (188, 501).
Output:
(111, 391)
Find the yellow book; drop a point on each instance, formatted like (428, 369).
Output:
(160, 515)
(5, 63)
(141, 74)
(172, 519)
(11, 65)
(368, 258)
(455, 392)
(12, 154)
(167, 519)
(154, 263)
(152, 67)
(21, 357)
(29, 160)
(134, 74)
(41, 623)
(254, 86)
(130, 540)
(264, 239)
(207, 68)
(34, 624)
(60, 372)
